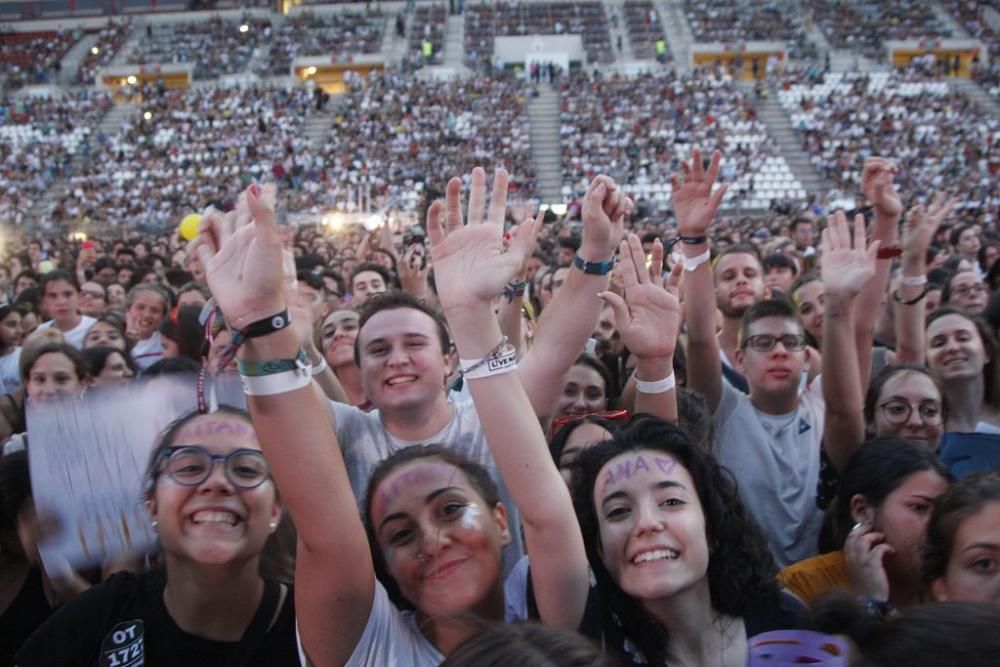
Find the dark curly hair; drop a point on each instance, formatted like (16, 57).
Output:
(478, 477)
(740, 567)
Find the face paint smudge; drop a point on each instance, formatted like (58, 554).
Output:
(470, 517)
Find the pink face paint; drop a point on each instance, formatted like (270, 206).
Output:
(625, 469)
(209, 427)
(391, 488)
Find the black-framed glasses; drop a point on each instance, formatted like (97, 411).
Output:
(898, 411)
(766, 342)
(191, 465)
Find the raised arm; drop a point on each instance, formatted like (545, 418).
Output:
(845, 271)
(472, 268)
(241, 253)
(648, 320)
(878, 187)
(918, 231)
(695, 206)
(569, 320)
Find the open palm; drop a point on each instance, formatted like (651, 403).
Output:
(846, 267)
(695, 205)
(242, 255)
(471, 265)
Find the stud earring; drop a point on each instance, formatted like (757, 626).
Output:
(274, 525)
(156, 525)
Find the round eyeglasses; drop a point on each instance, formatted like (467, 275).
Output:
(766, 342)
(191, 465)
(898, 412)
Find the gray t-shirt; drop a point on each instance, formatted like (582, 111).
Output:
(775, 459)
(365, 442)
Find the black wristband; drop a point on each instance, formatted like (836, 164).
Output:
(692, 240)
(267, 325)
(898, 299)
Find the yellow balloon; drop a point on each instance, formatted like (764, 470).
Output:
(189, 226)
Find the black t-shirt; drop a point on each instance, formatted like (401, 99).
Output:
(26, 612)
(124, 623)
(764, 614)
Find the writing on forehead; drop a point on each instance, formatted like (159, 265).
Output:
(206, 427)
(627, 467)
(391, 489)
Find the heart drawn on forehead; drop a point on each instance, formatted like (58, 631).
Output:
(625, 469)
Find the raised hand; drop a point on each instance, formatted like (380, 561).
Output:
(846, 269)
(471, 265)
(864, 554)
(649, 316)
(877, 185)
(242, 255)
(604, 211)
(922, 224)
(413, 270)
(695, 205)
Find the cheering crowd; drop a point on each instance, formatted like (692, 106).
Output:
(662, 444)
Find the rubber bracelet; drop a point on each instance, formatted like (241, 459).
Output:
(657, 386)
(888, 252)
(594, 268)
(470, 365)
(320, 367)
(898, 299)
(278, 383)
(267, 325)
(692, 263)
(913, 281)
(272, 366)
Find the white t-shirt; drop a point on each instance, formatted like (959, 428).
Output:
(147, 352)
(75, 335)
(775, 459)
(10, 371)
(392, 639)
(366, 442)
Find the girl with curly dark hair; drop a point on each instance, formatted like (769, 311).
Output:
(682, 572)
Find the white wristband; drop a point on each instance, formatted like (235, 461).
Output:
(656, 387)
(276, 383)
(692, 263)
(504, 362)
(320, 367)
(913, 281)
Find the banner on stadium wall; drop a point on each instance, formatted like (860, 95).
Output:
(88, 459)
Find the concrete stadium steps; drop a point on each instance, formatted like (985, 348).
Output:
(454, 41)
(626, 54)
(131, 44)
(779, 126)
(945, 17)
(546, 147)
(318, 124)
(70, 62)
(679, 35)
(394, 47)
(978, 96)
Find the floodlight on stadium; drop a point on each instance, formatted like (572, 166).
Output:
(148, 115)
(132, 80)
(334, 221)
(310, 71)
(95, 50)
(244, 28)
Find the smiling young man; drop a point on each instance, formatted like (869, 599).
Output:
(404, 352)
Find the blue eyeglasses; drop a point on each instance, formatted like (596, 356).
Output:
(191, 465)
